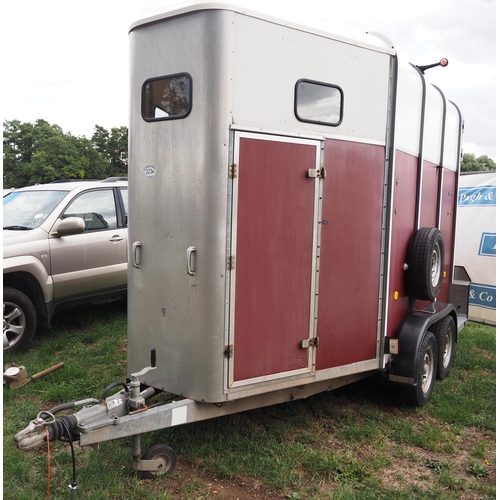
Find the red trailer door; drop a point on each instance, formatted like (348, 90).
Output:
(274, 234)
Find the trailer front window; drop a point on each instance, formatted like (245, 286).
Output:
(317, 102)
(167, 97)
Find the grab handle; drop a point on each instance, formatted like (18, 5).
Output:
(190, 264)
(136, 254)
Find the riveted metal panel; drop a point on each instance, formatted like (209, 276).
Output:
(271, 65)
(351, 239)
(178, 172)
(402, 228)
(274, 241)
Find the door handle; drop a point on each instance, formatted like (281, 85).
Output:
(190, 264)
(136, 254)
(116, 237)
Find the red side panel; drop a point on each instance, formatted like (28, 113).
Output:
(273, 257)
(403, 223)
(350, 253)
(428, 204)
(430, 188)
(446, 228)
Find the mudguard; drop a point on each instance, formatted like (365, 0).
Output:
(404, 366)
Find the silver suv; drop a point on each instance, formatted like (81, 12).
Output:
(62, 242)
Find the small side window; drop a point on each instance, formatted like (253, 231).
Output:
(167, 97)
(317, 102)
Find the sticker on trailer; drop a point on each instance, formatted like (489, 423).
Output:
(179, 415)
(150, 172)
(113, 403)
(483, 296)
(488, 245)
(481, 196)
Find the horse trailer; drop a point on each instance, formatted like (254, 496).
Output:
(293, 201)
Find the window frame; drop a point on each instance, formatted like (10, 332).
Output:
(322, 84)
(117, 211)
(165, 77)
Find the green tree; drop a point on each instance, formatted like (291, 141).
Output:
(20, 142)
(41, 152)
(97, 167)
(56, 158)
(113, 145)
(472, 164)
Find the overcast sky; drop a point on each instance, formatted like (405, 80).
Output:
(67, 62)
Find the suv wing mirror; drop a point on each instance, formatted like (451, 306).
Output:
(68, 226)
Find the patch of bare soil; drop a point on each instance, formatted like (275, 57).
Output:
(413, 466)
(191, 481)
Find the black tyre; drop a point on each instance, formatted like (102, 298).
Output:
(426, 264)
(19, 321)
(445, 332)
(419, 394)
(163, 453)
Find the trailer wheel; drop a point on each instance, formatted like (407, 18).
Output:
(163, 453)
(426, 263)
(445, 332)
(420, 393)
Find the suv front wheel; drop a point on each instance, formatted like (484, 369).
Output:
(19, 320)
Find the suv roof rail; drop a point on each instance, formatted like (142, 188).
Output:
(72, 180)
(115, 179)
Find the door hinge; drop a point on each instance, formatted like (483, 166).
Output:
(311, 342)
(228, 351)
(313, 172)
(233, 171)
(230, 263)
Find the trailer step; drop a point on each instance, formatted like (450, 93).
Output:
(461, 322)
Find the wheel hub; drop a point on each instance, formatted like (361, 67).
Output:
(436, 266)
(427, 371)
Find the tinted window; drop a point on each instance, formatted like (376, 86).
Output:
(167, 98)
(124, 193)
(317, 102)
(96, 208)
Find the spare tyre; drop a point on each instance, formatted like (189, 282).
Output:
(426, 264)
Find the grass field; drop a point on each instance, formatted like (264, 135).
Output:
(357, 442)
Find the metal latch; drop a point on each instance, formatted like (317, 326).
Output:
(313, 172)
(233, 170)
(228, 351)
(311, 342)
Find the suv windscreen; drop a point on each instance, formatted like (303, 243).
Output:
(28, 209)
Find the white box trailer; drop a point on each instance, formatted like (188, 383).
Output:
(476, 242)
(293, 197)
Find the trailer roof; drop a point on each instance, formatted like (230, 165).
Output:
(369, 40)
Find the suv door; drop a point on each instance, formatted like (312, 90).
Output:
(95, 261)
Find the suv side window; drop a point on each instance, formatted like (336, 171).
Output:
(124, 193)
(96, 208)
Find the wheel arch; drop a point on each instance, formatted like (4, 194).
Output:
(404, 365)
(27, 283)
